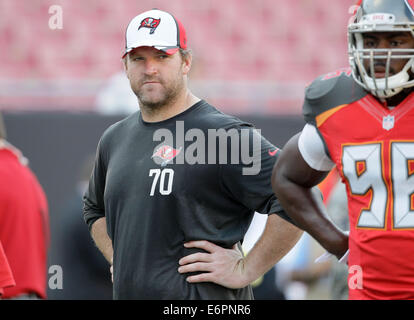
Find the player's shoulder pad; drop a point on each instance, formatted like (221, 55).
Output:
(330, 91)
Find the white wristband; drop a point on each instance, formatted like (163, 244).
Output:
(326, 256)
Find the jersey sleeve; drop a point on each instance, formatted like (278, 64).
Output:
(249, 181)
(312, 149)
(93, 199)
(323, 97)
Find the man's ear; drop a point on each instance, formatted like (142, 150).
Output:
(125, 64)
(187, 61)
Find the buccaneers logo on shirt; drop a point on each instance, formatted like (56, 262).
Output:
(166, 154)
(150, 23)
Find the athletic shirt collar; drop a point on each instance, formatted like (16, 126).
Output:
(193, 108)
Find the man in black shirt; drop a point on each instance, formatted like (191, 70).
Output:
(177, 171)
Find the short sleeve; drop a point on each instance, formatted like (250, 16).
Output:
(93, 200)
(312, 149)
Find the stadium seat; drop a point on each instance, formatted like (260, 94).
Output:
(232, 40)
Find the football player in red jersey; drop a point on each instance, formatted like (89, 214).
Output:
(362, 122)
(24, 223)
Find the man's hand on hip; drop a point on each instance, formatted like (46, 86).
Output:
(221, 266)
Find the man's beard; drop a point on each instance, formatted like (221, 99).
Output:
(169, 95)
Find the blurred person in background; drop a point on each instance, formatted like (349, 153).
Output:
(361, 121)
(299, 276)
(116, 97)
(267, 288)
(86, 272)
(143, 224)
(24, 223)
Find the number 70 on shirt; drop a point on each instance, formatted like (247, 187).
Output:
(162, 182)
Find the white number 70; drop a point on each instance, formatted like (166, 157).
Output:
(164, 189)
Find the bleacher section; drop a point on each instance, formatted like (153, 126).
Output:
(265, 42)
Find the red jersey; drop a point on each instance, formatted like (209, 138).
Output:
(373, 149)
(6, 276)
(24, 224)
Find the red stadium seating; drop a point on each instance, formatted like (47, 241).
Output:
(232, 40)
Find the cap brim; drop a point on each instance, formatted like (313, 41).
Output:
(167, 50)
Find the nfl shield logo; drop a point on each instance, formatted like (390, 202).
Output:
(388, 122)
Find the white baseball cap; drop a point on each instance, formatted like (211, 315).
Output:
(157, 29)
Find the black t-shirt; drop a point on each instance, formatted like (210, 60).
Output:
(157, 195)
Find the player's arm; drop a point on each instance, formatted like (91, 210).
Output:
(305, 161)
(94, 207)
(100, 237)
(292, 182)
(228, 267)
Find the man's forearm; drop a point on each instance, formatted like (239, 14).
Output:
(278, 238)
(100, 237)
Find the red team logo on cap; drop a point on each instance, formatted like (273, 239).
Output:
(150, 23)
(166, 153)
